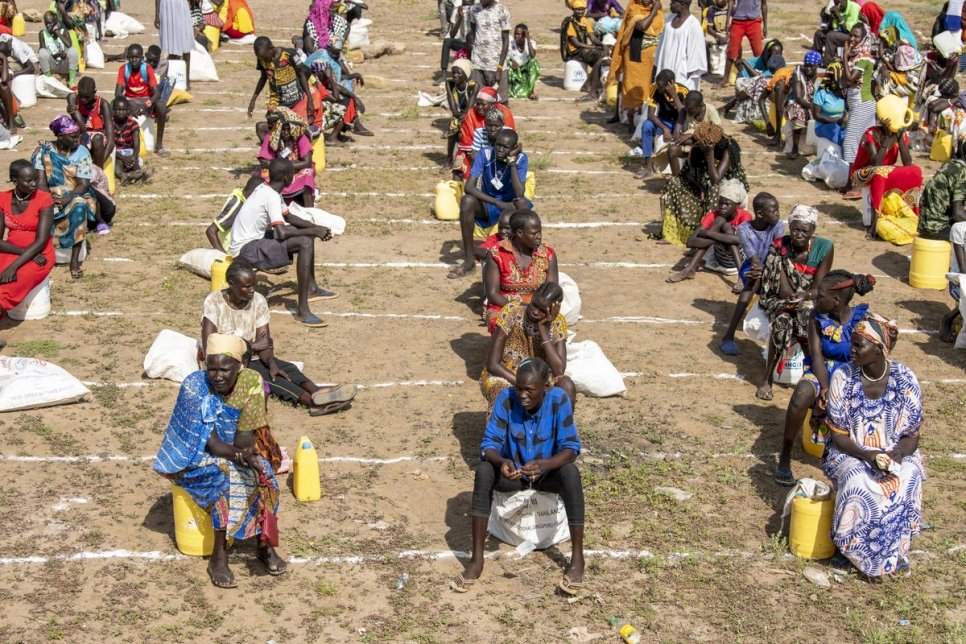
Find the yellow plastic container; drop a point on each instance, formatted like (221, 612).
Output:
(811, 524)
(611, 94)
(930, 263)
(318, 153)
(213, 34)
(306, 482)
(109, 172)
(810, 446)
(529, 187)
(447, 204)
(18, 26)
(192, 525)
(218, 269)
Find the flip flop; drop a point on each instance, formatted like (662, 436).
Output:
(221, 580)
(323, 294)
(461, 585)
(334, 408)
(785, 478)
(459, 272)
(312, 321)
(275, 568)
(568, 587)
(730, 348)
(79, 273)
(342, 393)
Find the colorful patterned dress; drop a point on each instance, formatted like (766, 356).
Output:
(876, 513)
(518, 283)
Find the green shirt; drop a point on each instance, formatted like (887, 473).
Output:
(847, 18)
(938, 196)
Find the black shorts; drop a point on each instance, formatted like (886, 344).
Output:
(266, 254)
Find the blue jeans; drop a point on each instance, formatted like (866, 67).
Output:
(649, 132)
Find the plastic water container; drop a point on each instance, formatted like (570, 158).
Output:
(611, 95)
(213, 34)
(318, 153)
(62, 255)
(192, 526)
(24, 87)
(794, 366)
(109, 173)
(306, 483)
(529, 186)
(18, 27)
(179, 72)
(930, 263)
(810, 446)
(811, 524)
(575, 75)
(219, 268)
(146, 124)
(36, 306)
(447, 204)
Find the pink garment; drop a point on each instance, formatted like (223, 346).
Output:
(303, 179)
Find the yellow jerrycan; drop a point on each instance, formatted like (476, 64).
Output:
(219, 268)
(305, 469)
(930, 262)
(810, 446)
(896, 110)
(192, 525)
(447, 204)
(808, 533)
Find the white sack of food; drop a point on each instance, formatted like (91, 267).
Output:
(29, 383)
(528, 515)
(592, 372)
(172, 356)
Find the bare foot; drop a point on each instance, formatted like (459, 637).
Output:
(764, 392)
(533, 97)
(680, 277)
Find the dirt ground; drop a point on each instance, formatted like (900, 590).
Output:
(89, 552)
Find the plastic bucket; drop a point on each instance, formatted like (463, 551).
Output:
(24, 87)
(192, 526)
(811, 524)
(575, 75)
(930, 263)
(36, 306)
(810, 446)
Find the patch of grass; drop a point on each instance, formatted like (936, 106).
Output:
(211, 101)
(325, 588)
(540, 161)
(38, 349)
(411, 113)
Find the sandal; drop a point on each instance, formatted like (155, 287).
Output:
(333, 408)
(342, 393)
(730, 348)
(784, 477)
(461, 585)
(568, 587)
(323, 294)
(275, 567)
(312, 321)
(79, 273)
(460, 271)
(223, 580)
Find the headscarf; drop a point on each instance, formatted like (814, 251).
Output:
(863, 49)
(487, 95)
(833, 74)
(320, 19)
(578, 4)
(804, 214)
(222, 344)
(873, 14)
(63, 124)
(494, 115)
(282, 115)
(464, 65)
(812, 57)
(879, 331)
(707, 133)
(906, 58)
(733, 191)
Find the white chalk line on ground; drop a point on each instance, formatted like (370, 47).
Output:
(425, 222)
(325, 193)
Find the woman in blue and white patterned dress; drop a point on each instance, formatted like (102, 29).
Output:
(874, 412)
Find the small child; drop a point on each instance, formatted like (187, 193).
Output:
(717, 233)
(715, 23)
(502, 232)
(129, 167)
(757, 237)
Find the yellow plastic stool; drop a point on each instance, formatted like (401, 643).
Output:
(811, 525)
(930, 262)
(192, 525)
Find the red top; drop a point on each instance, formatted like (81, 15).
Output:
(22, 231)
(873, 136)
(92, 115)
(741, 216)
(134, 85)
(517, 283)
(490, 242)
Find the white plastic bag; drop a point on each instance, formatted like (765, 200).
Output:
(29, 383)
(425, 99)
(121, 25)
(62, 255)
(199, 260)
(806, 146)
(570, 307)
(50, 87)
(833, 169)
(319, 217)
(358, 36)
(24, 87)
(202, 66)
(178, 72)
(809, 170)
(794, 367)
(36, 305)
(146, 123)
(93, 55)
(809, 489)
(529, 515)
(961, 338)
(592, 372)
(172, 356)
(717, 60)
(756, 325)
(821, 145)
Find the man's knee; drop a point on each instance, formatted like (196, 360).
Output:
(469, 207)
(570, 476)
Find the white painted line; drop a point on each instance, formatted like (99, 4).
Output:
(64, 504)
(401, 316)
(645, 319)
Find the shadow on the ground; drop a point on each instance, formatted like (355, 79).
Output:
(892, 263)
(160, 517)
(770, 419)
(927, 315)
(472, 348)
(468, 427)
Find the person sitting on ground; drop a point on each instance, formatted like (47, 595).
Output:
(137, 83)
(237, 19)
(876, 172)
(873, 460)
(16, 59)
(597, 9)
(757, 237)
(665, 115)
(828, 107)
(129, 166)
(341, 76)
(496, 183)
(93, 115)
(581, 44)
(26, 248)
(485, 137)
(798, 109)
(524, 66)
(486, 99)
(340, 108)
(794, 268)
(717, 233)
(751, 82)
(241, 311)
(287, 82)
(166, 82)
(288, 138)
(681, 48)
(57, 53)
(901, 73)
(829, 347)
(517, 266)
(514, 459)
(210, 449)
(482, 251)
(944, 111)
(714, 21)
(266, 236)
(837, 23)
(219, 232)
(696, 110)
(460, 95)
(690, 195)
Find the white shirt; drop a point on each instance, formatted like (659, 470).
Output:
(261, 211)
(517, 56)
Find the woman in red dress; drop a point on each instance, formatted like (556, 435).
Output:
(26, 250)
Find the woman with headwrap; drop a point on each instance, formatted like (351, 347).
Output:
(795, 266)
(687, 197)
(798, 110)
(944, 110)
(828, 106)
(288, 137)
(632, 60)
(894, 31)
(859, 72)
(460, 94)
(66, 171)
(900, 72)
(827, 350)
(316, 30)
(212, 450)
(474, 118)
(873, 459)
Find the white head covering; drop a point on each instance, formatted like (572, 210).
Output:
(805, 214)
(734, 191)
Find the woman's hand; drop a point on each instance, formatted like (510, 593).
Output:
(9, 275)
(895, 454)
(534, 469)
(251, 107)
(252, 462)
(40, 260)
(821, 401)
(509, 470)
(550, 316)
(157, 22)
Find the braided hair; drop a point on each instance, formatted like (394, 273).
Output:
(847, 284)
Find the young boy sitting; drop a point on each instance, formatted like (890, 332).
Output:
(757, 236)
(136, 82)
(219, 232)
(129, 166)
(717, 233)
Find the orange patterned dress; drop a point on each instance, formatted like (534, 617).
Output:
(517, 283)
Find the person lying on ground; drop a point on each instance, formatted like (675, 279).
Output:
(219, 232)
(496, 183)
(288, 138)
(829, 347)
(241, 311)
(757, 237)
(513, 459)
(486, 99)
(137, 83)
(265, 236)
(287, 82)
(717, 234)
(57, 53)
(524, 67)
(581, 44)
(93, 115)
(665, 116)
(129, 164)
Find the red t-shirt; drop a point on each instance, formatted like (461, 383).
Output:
(490, 242)
(741, 216)
(134, 86)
